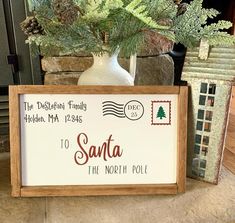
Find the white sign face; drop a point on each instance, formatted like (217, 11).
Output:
(98, 139)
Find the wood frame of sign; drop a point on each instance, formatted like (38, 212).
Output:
(83, 190)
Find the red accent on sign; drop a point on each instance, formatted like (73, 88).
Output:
(106, 151)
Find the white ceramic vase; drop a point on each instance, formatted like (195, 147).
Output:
(105, 71)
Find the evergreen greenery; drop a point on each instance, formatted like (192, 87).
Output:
(73, 26)
(161, 113)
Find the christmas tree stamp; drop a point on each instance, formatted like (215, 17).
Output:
(161, 113)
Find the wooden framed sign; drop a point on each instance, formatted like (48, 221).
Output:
(97, 140)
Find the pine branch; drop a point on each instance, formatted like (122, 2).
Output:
(128, 45)
(35, 4)
(121, 24)
(215, 36)
(189, 27)
(139, 11)
(161, 9)
(211, 29)
(94, 12)
(221, 38)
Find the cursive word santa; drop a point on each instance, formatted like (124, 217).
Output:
(86, 152)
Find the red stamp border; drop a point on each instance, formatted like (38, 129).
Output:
(154, 123)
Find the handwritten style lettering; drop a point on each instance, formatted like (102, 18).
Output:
(86, 152)
(48, 106)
